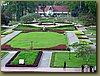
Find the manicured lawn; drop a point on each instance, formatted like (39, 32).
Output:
(92, 28)
(3, 54)
(94, 41)
(58, 59)
(64, 27)
(38, 39)
(29, 57)
(27, 27)
(92, 36)
(90, 31)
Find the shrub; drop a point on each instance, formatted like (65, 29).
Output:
(77, 32)
(7, 32)
(80, 37)
(2, 36)
(12, 23)
(29, 17)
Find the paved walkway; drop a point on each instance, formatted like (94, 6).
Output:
(81, 28)
(71, 37)
(45, 59)
(9, 36)
(7, 58)
(35, 69)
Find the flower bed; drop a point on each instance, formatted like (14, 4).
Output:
(35, 64)
(8, 47)
(58, 47)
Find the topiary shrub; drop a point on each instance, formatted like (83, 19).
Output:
(12, 23)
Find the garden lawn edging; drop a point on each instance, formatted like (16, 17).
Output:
(36, 62)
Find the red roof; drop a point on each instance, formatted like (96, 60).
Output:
(54, 8)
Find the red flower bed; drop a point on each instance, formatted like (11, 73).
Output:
(58, 31)
(58, 47)
(8, 47)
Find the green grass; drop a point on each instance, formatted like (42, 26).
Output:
(64, 27)
(27, 27)
(58, 59)
(90, 31)
(40, 40)
(92, 36)
(91, 28)
(29, 57)
(94, 41)
(3, 54)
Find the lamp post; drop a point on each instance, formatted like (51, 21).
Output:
(68, 49)
(31, 46)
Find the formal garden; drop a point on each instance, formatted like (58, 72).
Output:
(41, 40)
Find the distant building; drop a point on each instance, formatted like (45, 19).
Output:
(52, 10)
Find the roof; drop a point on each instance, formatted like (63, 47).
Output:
(54, 8)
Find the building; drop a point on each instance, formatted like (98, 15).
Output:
(52, 10)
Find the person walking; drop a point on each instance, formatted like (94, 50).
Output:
(82, 67)
(94, 68)
(91, 68)
(86, 66)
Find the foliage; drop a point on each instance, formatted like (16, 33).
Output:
(29, 17)
(85, 52)
(4, 19)
(77, 32)
(7, 32)
(12, 23)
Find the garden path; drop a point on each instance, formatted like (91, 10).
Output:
(45, 59)
(36, 69)
(7, 58)
(71, 37)
(9, 36)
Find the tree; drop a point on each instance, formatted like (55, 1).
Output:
(85, 52)
(29, 17)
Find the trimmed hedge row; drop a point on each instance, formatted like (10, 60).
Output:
(58, 31)
(23, 65)
(7, 32)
